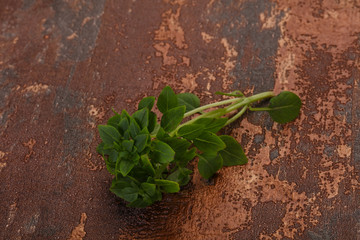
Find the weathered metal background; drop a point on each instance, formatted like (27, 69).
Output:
(64, 64)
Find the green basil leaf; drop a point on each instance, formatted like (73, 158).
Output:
(141, 141)
(209, 164)
(186, 157)
(109, 134)
(114, 120)
(179, 145)
(142, 117)
(162, 152)
(124, 188)
(129, 194)
(181, 176)
(172, 118)
(190, 131)
(167, 186)
(126, 166)
(125, 114)
(149, 188)
(134, 128)
(123, 125)
(147, 166)
(212, 124)
(100, 148)
(233, 154)
(209, 142)
(128, 145)
(167, 100)
(161, 134)
(146, 102)
(189, 100)
(152, 121)
(284, 107)
(111, 160)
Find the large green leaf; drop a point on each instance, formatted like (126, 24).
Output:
(209, 142)
(149, 188)
(147, 102)
(233, 154)
(284, 107)
(172, 118)
(147, 166)
(128, 145)
(152, 121)
(109, 134)
(125, 166)
(124, 188)
(190, 131)
(179, 145)
(212, 124)
(189, 100)
(167, 100)
(123, 125)
(141, 141)
(134, 128)
(167, 185)
(162, 152)
(209, 164)
(114, 120)
(181, 176)
(142, 117)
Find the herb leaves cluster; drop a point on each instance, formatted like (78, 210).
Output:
(148, 158)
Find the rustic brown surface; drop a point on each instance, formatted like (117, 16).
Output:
(64, 64)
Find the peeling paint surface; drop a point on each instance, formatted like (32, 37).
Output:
(65, 64)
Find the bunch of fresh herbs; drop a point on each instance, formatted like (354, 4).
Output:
(148, 158)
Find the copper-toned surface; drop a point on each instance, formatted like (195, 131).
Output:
(64, 64)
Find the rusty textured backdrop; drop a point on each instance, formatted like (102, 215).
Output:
(65, 63)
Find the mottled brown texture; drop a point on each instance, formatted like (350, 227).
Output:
(64, 64)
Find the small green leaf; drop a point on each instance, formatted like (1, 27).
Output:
(149, 188)
(233, 154)
(212, 124)
(124, 188)
(142, 117)
(109, 134)
(161, 134)
(134, 128)
(167, 186)
(126, 166)
(125, 114)
(146, 102)
(172, 118)
(162, 152)
(209, 142)
(167, 100)
(209, 164)
(141, 141)
(147, 166)
(114, 120)
(100, 148)
(189, 100)
(284, 107)
(128, 145)
(186, 157)
(181, 176)
(123, 125)
(129, 194)
(179, 145)
(190, 131)
(152, 121)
